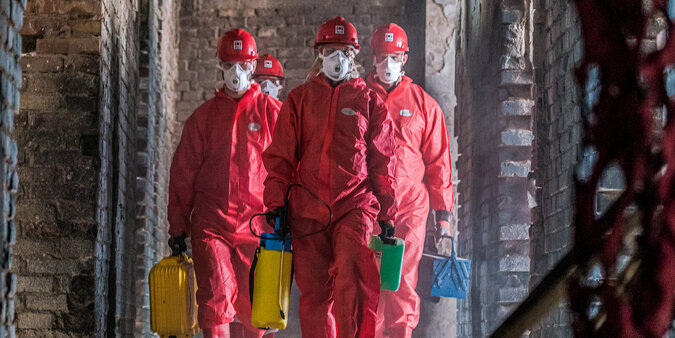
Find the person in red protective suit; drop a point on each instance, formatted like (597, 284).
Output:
(335, 137)
(270, 75)
(423, 172)
(216, 185)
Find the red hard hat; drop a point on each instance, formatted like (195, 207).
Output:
(237, 45)
(268, 65)
(389, 38)
(337, 30)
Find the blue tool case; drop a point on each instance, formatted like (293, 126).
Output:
(450, 275)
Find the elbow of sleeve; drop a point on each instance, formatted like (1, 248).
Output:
(388, 207)
(273, 195)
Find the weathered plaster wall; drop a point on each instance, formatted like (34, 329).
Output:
(440, 319)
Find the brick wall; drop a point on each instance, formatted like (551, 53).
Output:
(78, 144)
(493, 123)
(560, 103)
(120, 52)
(286, 30)
(94, 152)
(155, 124)
(558, 47)
(516, 183)
(474, 189)
(11, 20)
(57, 134)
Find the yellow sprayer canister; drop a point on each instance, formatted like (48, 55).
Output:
(173, 307)
(271, 276)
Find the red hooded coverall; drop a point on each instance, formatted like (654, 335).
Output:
(339, 143)
(216, 185)
(423, 176)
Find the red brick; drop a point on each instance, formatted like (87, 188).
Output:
(37, 83)
(40, 101)
(82, 63)
(80, 8)
(31, 320)
(46, 6)
(34, 284)
(299, 64)
(68, 46)
(47, 302)
(87, 27)
(45, 26)
(41, 64)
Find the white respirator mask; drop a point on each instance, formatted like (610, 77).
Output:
(268, 87)
(236, 78)
(336, 66)
(388, 70)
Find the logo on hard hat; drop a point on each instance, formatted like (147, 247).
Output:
(267, 64)
(254, 126)
(399, 44)
(388, 37)
(339, 29)
(405, 112)
(238, 45)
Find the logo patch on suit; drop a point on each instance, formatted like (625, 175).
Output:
(254, 126)
(348, 111)
(405, 112)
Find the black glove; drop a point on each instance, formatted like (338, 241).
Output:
(387, 234)
(177, 245)
(271, 217)
(442, 215)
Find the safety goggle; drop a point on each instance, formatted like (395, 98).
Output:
(394, 57)
(275, 80)
(347, 51)
(245, 65)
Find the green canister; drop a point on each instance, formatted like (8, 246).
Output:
(389, 258)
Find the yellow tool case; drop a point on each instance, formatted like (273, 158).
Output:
(173, 306)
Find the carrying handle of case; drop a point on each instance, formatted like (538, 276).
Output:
(452, 238)
(453, 254)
